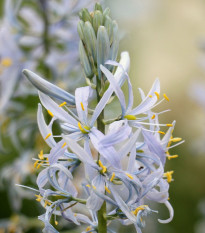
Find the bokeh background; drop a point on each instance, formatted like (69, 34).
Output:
(165, 39)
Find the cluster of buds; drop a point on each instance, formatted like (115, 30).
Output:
(99, 40)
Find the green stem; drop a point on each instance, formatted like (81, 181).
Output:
(102, 221)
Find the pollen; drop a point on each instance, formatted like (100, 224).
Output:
(56, 223)
(104, 169)
(40, 155)
(107, 190)
(82, 106)
(168, 175)
(47, 203)
(172, 156)
(161, 132)
(128, 175)
(112, 177)
(64, 144)
(175, 139)
(166, 97)
(61, 105)
(130, 117)
(50, 113)
(142, 207)
(6, 62)
(87, 185)
(39, 165)
(150, 96)
(153, 116)
(47, 136)
(93, 187)
(169, 125)
(157, 94)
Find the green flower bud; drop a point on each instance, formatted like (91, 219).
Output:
(80, 29)
(103, 48)
(106, 12)
(109, 26)
(90, 40)
(85, 61)
(85, 15)
(98, 7)
(97, 20)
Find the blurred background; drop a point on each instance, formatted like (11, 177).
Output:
(165, 39)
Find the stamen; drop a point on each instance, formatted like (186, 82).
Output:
(88, 228)
(82, 106)
(64, 144)
(142, 207)
(169, 125)
(161, 132)
(172, 156)
(166, 97)
(107, 190)
(153, 116)
(39, 165)
(130, 117)
(175, 139)
(128, 175)
(35, 164)
(50, 113)
(82, 129)
(40, 155)
(47, 136)
(75, 214)
(157, 94)
(150, 96)
(104, 169)
(6, 62)
(87, 185)
(61, 105)
(39, 197)
(93, 187)
(56, 223)
(47, 203)
(112, 177)
(168, 175)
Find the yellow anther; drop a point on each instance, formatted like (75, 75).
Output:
(104, 169)
(88, 228)
(64, 144)
(130, 117)
(175, 139)
(87, 185)
(112, 177)
(35, 164)
(153, 116)
(161, 132)
(56, 223)
(39, 198)
(157, 94)
(168, 198)
(40, 155)
(142, 207)
(75, 214)
(47, 136)
(150, 96)
(6, 62)
(84, 128)
(166, 97)
(169, 125)
(61, 105)
(50, 113)
(47, 203)
(39, 165)
(172, 156)
(128, 175)
(82, 106)
(168, 175)
(93, 187)
(107, 190)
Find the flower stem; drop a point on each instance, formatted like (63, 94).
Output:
(102, 221)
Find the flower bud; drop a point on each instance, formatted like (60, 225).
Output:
(80, 29)
(109, 26)
(85, 61)
(103, 48)
(98, 7)
(85, 15)
(97, 20)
